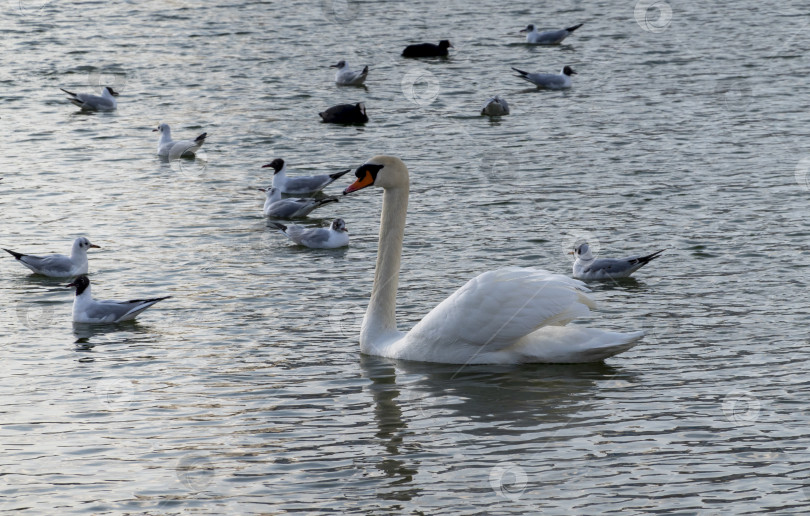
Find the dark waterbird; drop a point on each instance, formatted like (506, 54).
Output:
(345, 114)
(427, 49)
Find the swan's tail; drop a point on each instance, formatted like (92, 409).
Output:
(574, 344)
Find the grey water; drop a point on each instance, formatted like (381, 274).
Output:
(686, 129)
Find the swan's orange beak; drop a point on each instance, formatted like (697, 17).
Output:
(366, 180)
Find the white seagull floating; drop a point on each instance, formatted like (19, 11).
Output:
(301, 185)
(58, 265)
(88, 310)
(346, 77)
(586, 267)
(290, 208)
(495, 106)
(551, 81)
(549, 37)
(336, 235)
(168, 148)
(507, 316)
(88, 102)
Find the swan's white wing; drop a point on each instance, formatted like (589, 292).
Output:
(496, 309)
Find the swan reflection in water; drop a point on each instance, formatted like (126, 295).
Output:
(451, 419)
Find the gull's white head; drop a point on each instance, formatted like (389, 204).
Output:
(81, 245)
(163, 129)
(382, 171)
(339, 225)
(583, 252)
(272, 193)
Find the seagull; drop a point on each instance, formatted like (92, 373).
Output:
(549, 37)
(427, 49)
(551, 81)
(495, 106)
(58, 265)
(302, 185)
(168, 148)
(88, 310)
(290, 208)
(346, 77)
(586, 267)
(88, 102)
(336, 235)
(345, 114)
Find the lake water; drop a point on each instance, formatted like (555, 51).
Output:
(686, 129)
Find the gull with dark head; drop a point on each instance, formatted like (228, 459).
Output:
(347, 77)
(88, 310)
(549, 81)
(168, 148)
(548, 37)
(58, 265)
(104, 102)
(290, 208)
(300, 185)
(587, 267)
(336, 235)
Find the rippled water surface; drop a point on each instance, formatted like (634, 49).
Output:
(686, 129)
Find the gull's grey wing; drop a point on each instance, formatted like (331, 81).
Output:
(94, 101)
(55, 264)
(552, 36)
(610, 266)
(317, 237)
(307, 184)
(549, 80)
(119, 311)
(288, 208)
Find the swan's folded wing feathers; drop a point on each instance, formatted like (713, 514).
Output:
(494, 310)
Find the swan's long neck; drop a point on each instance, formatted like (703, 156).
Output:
(380, 322)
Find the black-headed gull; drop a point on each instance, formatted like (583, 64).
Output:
(495, 106)
(549, 37)
(88, 310)
(336, 235)
(586, 267)
(345, 114)
(427, 49)
(290, 208)
(168, 148)
(58, 265)
(104, 102)
(551, 81)
(302, 185)
(346, 77)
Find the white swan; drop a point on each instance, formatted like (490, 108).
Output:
(506, 316)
